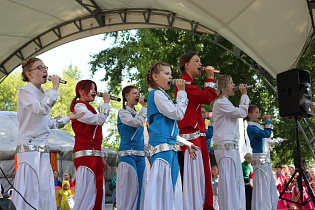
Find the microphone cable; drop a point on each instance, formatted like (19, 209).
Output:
(16, 189)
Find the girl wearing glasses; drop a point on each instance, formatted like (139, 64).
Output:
(34, 177)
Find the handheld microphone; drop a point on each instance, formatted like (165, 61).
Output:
(271, 117)
(60, 80)
(186, 83)
(247, 87)
(203, 68)
(145, 100)
(100, 94)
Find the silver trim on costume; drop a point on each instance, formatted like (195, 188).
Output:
(244, 102)
(83, 153)
(30, 148)
(192, 136)
(162, 148)
(49, 101)
(104, 110)
(182, 99)
(261, 161)
(268, 125)
(60, 122)
(143, 114)
(133, 152)
(210, 84)
(225, 146)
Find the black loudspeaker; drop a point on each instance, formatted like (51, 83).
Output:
(6, 204)
(294, 93)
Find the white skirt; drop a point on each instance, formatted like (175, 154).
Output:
(194, 182)
(265, 196)
(159, 193)
(85, 192)
(35, 181)
(127, 187)
(231, 188)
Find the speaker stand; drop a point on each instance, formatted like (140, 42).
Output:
(298, 169)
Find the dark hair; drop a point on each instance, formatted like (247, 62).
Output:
(184, 59)
(251, 109)
(86, 86)
(154, 68)
(26, 65)
(125, 91)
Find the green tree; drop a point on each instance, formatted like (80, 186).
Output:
(9, 91)
(134, 51)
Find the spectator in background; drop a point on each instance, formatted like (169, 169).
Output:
(312, 176)
(64, 193)
(282, 204)
(67, 177)
(215, 182)
(285, 169)
(209, 130)
(247, 170)
(56, 178)
(280, 176)
(291, 169)
(113, 189)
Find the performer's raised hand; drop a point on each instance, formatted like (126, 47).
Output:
(180, 83)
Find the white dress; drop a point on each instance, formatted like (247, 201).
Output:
(231, 190)
(34, 178)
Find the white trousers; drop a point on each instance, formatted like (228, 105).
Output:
(35, 181)
(159, 192)
(265, 196)
(194, 182)
(85, 189)
(231, 188)
(127, 187)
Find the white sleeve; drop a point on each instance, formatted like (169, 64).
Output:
(274, 141)
(137, 121)
(227, 109)
(89, 117)
(168, 108)
(41, 107)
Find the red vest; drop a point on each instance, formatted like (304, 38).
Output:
(84, 133)
(193, 120)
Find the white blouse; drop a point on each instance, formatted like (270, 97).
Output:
(90, 118)
(33, 110)
(225, 115)
(127, 119)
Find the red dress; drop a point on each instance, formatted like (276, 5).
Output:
(193, 122)
(84, 141)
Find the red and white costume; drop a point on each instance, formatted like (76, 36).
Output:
(90, 183)
(197, 193)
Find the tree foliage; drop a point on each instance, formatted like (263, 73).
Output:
(134, 51)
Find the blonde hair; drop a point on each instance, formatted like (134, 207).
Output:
(154, 68)
(221, 83)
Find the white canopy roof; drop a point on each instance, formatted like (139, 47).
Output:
(273, 33)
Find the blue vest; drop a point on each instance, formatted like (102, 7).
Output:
(256, 137)
(161, 128)
(126, 132)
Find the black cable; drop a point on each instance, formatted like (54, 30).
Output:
(16, 190)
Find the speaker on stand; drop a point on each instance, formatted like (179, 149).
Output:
(295, 101)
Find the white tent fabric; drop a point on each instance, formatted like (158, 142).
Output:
(58, 140)
(273, 33)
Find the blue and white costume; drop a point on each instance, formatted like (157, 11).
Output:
(131, 172)
(264, 188)
(164, 188)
